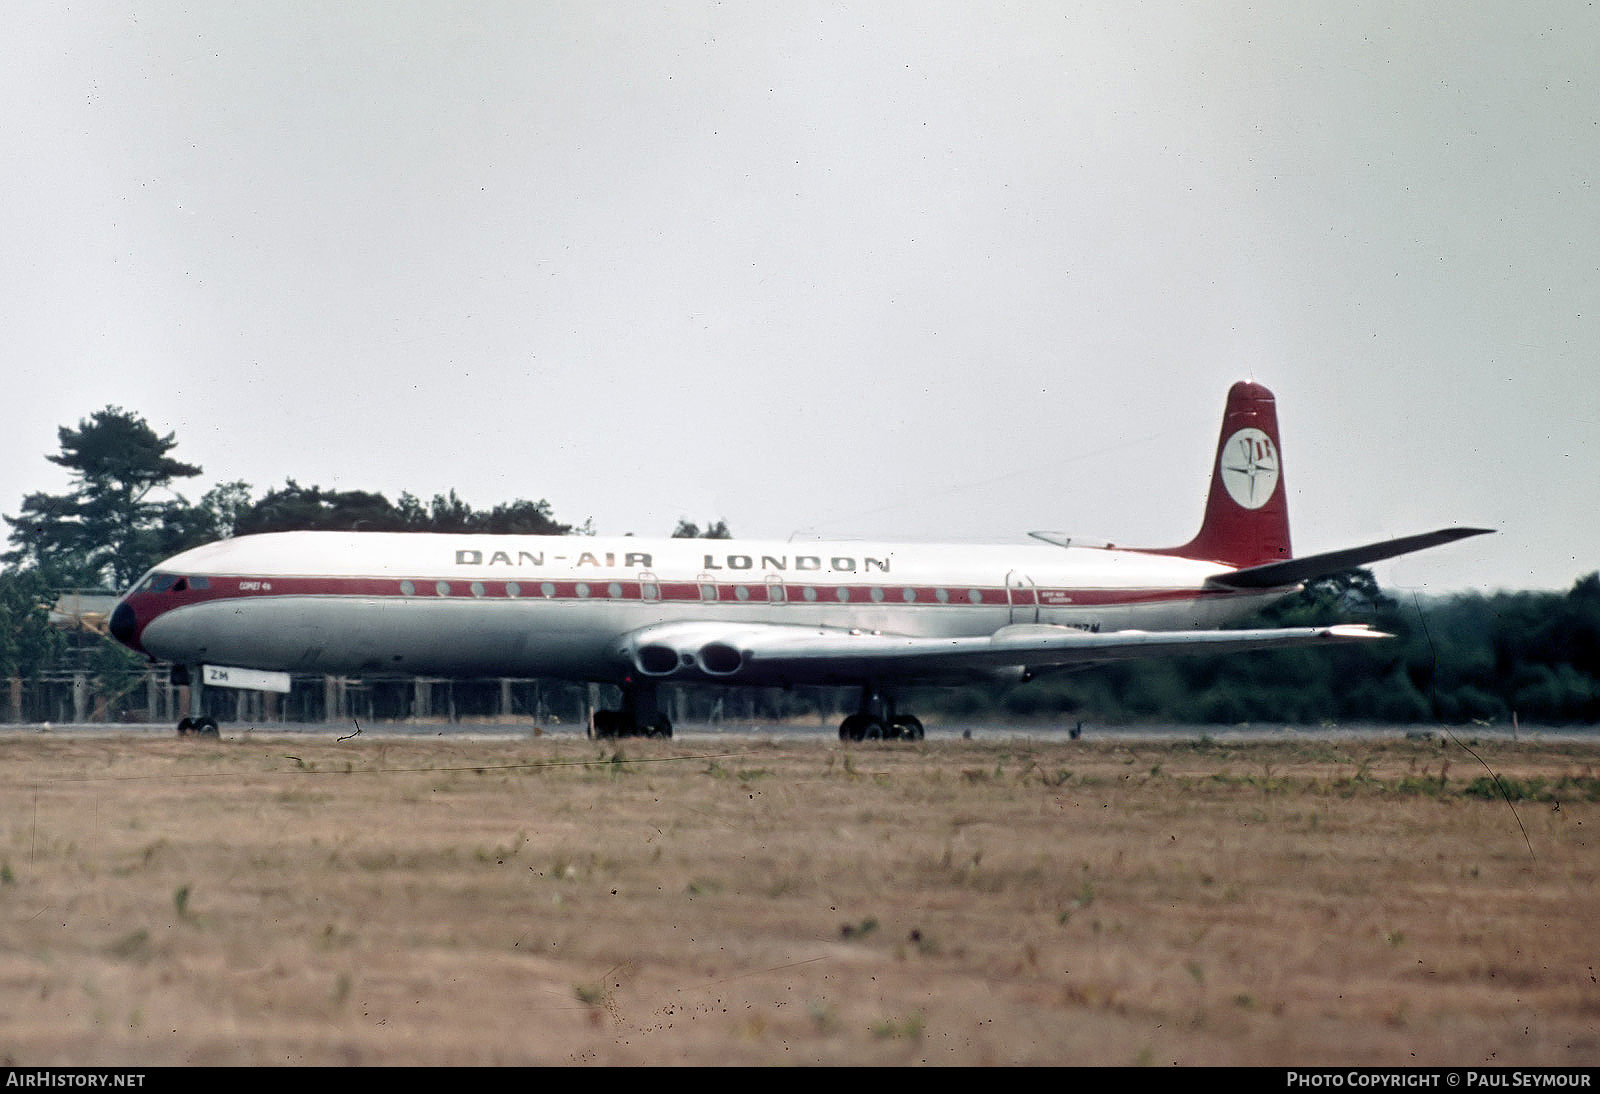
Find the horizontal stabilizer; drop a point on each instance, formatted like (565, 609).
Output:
(1062, 539)
(1274, 575)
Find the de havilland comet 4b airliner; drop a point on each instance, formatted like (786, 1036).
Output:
(640, 613)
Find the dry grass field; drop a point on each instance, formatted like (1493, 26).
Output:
(300, 900)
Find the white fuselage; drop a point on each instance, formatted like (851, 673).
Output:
(490, 605)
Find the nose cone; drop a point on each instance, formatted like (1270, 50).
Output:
(125, 625)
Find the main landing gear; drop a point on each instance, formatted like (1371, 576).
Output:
(876, 720)
(640, 715)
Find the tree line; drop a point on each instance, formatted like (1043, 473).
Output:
(1461, 659)
(1504, 658)
(123, 513)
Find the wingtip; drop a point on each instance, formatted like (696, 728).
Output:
(1354, 630)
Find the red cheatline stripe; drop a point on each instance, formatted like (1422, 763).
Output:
(600, 588)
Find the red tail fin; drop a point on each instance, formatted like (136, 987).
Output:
(1247, 511)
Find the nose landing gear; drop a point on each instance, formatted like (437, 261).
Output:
(204, 726)
(198, 723)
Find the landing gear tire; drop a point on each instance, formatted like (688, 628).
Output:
(877, 720)
(204, 726)
(861, 727)
(907, 728)
(618, 723)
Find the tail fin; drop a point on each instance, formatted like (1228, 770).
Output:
(1247, 510)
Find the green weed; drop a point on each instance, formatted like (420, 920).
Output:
(135, 945)
(824, 1016)
(908, 1028)
(858, 931)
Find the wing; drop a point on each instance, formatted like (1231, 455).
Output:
(780, 654)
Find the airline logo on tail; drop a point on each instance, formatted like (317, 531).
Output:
(1249, 467)
(1247, 512)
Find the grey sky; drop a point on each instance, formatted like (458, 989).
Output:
(878, 270)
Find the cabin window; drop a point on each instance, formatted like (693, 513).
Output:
(908, 595)
(408, 588)
(614, 590)
(477, 588)
(942, 595)
(442, 588)
(513, 590)
(975, 595)
(708, 592)
(877, 594)
(843, 593)
(582, 589)
(547, 588)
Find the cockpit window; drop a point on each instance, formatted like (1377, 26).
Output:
(176, 583)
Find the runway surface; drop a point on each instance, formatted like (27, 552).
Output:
(795, 731)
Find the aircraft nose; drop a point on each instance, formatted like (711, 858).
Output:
(124, 625)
